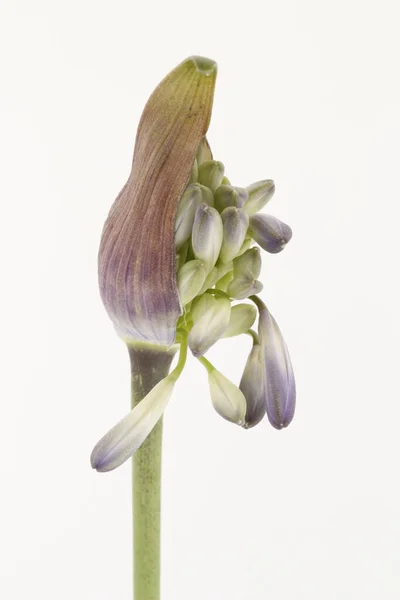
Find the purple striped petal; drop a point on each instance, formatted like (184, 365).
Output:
(137, 262)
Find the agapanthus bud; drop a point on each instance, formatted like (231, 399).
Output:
(235, 222)
(280, 387)
(248, 264)
(128, 435)
(137, 263)
(227, 195)
(211, 173)
(227, 399)
(269, 232)
(201, 305)
(241, 319)
(223, 283)
(246, 269)
(243, 287)
(191, 199)
(210, 326)
(206, 195)
(207, 235)
(191, 278)
(253, 387)
(203, 152)
(260, 193)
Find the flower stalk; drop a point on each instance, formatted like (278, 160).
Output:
(148, 367)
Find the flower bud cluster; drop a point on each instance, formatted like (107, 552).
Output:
(218, 235)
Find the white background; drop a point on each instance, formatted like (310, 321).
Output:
(307, 94)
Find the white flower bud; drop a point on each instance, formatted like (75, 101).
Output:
(248, 264)
(227, 195)
(243, 287)
(235, 222)
(211, 173)
(210, 326)
(260, 193)
(241, 319)
(227, 399)
(191, 278)
(191, 199)
(207, 235)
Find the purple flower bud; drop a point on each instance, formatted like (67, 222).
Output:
(235, 222)
(269, 232)
(277, 374)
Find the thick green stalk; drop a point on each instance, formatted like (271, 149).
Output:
(149, 364)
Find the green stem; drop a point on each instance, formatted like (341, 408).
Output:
(149, 365)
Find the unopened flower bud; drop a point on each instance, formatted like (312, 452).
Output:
(210, 326)
(191, 278)
(278, 378)
(206, 195)
(201, 305)
(223, 283)
(248, 264)
(235, 222)
(227, 195)
(241, 319)
(269, 232)
(245, 246)
(227, 399)
(203, 152)
(207, 235)
(253, 387)
(260, 193)
(243, 287)
(211, 173)
(191, 199)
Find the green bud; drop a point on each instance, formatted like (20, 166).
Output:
(243, 287)
(227, 195)
(225, 181)
(207, 235)
(190, 280)
(211, 173)
(235, 222)
(201, 305)
(248, 264)
(203, 152)
(260, 193)
(206, 195)
(210, 326)
(228, 400)
(191, 198)
(223, 283)
(241, 319)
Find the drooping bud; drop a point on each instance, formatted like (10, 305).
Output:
(211, 173)
(235, 222)
(207, 235)
(137, 268)
(191, 278)
(210, 325)
(280, 387)
(128, 435)
(260, 193)
(191, 199)
(241, 319)
(269, 232)
(227, 399)
(253, 387)
(203, 152)
(227, 195)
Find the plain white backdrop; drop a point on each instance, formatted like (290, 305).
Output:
(307, 94)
